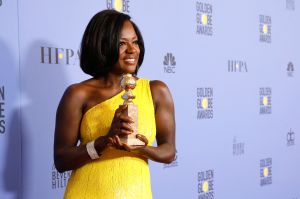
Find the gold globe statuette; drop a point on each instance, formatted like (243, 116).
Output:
(128, 83)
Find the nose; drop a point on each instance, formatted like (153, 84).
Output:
(130, 48)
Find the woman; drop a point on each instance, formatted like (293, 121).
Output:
(89, 112)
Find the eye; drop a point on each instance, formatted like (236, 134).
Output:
(136, 42)
(122, 43)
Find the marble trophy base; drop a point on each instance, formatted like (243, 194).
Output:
(132, 111)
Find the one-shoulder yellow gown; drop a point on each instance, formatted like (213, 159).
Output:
(117, 174)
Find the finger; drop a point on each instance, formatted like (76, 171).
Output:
(133, 149)
(142, 138)
(122, 107)
(125, 118)
(118, 142)
(127, 147)
(119, 110)
(110, 141)
(126, 126)
(114, 142)
(113, 139)
(123, 132)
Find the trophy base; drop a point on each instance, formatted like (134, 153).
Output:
(133, 141)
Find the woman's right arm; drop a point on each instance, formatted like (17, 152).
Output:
(67, 155)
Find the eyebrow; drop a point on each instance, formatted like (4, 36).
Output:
(128, 39)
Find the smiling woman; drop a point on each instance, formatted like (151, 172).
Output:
(103, 41)
(90, 113)
(129, 50)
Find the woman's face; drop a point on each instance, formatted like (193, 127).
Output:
(129, 50)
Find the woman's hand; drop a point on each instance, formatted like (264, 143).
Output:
(120, 127)
(135, 148)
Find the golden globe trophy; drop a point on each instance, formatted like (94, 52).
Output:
(128, 83)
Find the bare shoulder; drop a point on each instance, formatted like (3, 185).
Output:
(75, 91)
(160, 92)
(158, 86)
(76, 94)
(79, 90)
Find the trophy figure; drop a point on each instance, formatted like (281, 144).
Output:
(128, 84)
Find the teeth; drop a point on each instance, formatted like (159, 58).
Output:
(130, 60)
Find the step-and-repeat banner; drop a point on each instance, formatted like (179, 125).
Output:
(232, 67)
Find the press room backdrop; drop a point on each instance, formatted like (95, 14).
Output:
(232, 67)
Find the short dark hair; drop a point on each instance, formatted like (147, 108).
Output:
(100, 43)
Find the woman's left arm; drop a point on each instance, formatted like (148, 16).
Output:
(165, 125)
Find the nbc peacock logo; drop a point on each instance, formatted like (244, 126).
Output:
(169, 63)
(290, 69)
(290, 138)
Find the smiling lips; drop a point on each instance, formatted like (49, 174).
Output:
(130, 60)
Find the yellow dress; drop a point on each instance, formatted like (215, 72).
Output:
(117, 174)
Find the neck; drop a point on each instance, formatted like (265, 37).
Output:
(111, 80)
